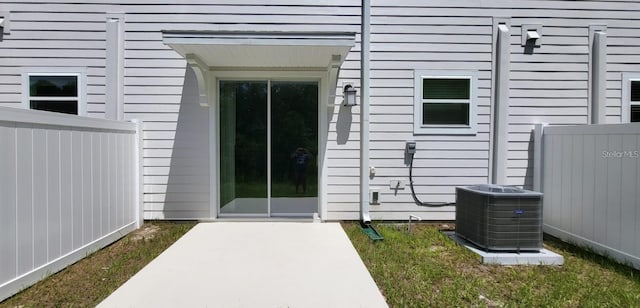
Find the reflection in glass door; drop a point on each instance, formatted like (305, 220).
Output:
(243, 147)
(294, 148)
(268, 148)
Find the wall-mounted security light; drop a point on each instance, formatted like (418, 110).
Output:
(5, 24)
(2, 25)
(349, 93)
(531, 35)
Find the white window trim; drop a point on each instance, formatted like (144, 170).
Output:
(419, 128)
(79, 72)
(626, 95)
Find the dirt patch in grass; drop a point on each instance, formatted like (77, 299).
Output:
(90, 280)
(425, 268)
(147, 232)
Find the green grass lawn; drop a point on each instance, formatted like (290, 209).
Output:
(427, 269)
(421, 269)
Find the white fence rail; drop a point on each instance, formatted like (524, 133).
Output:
(68, 185)
(590, 176)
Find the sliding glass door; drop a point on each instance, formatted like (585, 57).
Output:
(243, 147)
(294, 148)
(268, 148)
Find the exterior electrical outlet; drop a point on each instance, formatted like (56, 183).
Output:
(374, 196)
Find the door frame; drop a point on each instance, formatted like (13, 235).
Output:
(320, 76)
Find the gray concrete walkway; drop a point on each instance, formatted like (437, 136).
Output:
(254, 264)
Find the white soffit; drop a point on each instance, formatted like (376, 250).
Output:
(262, 49)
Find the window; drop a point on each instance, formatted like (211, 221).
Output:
(445, 102)
(630, 97)
(57, 90)
(635, 101)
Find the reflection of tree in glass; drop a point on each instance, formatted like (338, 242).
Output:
(243, 134)
(69, 89)
(53, 86)
(251, 132)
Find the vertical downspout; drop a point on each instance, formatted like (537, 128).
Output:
(114, 68)
(599, 78)
(364, 111)
(501, 106)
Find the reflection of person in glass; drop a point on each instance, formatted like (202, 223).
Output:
(300, 160)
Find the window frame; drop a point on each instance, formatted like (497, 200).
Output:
(79, 72)
(444, 129)
(627, 78)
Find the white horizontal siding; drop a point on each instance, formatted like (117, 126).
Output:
(539, 98)
(400, 45)
(153, 78)
(58, 38)
(562, 100)
(550, 85)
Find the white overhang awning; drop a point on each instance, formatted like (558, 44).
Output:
(261, 49)
(206, 50)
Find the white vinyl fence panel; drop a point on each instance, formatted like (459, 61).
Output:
(590, 179)
(68, 186)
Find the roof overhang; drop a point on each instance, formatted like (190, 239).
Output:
(206, 50)
(261, 49)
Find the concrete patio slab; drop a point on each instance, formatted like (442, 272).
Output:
(254, 264)
(542, 257)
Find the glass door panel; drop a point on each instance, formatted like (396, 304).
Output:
(243, 147)
(294, 148)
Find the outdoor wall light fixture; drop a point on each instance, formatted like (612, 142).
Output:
(349, 93)
(4, 24)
